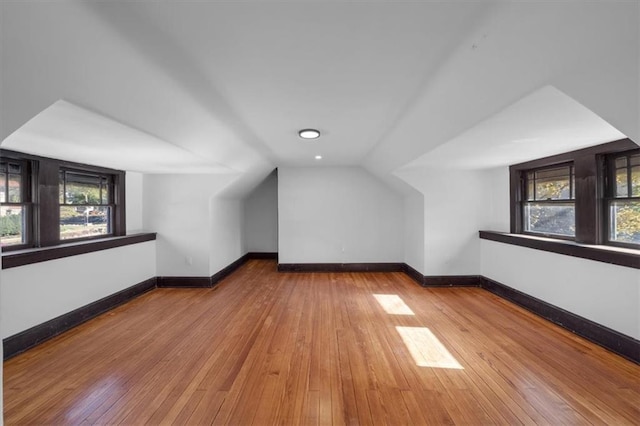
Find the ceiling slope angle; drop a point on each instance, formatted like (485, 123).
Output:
(70, 132)
(544, 123)
(348, 69)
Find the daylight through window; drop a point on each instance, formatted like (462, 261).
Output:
(85, 204)
(550, 207)
(590, 196)
(14, 205)
(624, 201)
(44, 201)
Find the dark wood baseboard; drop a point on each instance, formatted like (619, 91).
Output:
(341, 267)
(208, 282)
(229, 269)
(184, 282)
(18, 343)
(414, 274)
(443, 280)
(610, 339)
(26, 339)
(262, 255)
(452, 281)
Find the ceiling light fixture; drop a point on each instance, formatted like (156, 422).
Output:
(318, 157)
(309, 134)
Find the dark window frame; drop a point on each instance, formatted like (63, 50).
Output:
(526, 197)
(609, 195)
(63, 171)
(27, 201)
(45, 222)
(589, 168)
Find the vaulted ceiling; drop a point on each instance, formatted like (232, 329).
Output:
(223, 87)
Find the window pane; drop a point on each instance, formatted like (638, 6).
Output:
(3, 188)
(530, 188)
(15, 188)
(621, 163)
(105, 191)
(11, 225)
(634, 160)
(61, 187)
(82, 189)
(625, 222)
(621, 183)
(84, 221)
(553, 184)
(635, 181)
(550, 218)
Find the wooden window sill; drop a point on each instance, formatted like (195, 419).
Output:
(607, 254)
(24, 257)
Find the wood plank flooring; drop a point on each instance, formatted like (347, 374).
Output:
(309, 348)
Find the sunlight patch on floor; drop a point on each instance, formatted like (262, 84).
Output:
(426, 349)
(393, 304)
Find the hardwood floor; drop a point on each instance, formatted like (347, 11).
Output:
(308, 348)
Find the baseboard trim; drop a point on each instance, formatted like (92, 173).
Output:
(262, 255)
(609, 339)
(228, 270)
(442, 280)
(612, 340)
(27, 339)
(341, 267)
(452, 281)
(18, 343)
(184, 282)
(414, 274)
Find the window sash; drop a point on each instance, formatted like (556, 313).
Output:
(592, 177)
(554, 218)
(616, 233)
(41, 193)
(18, 172)
(557, 173)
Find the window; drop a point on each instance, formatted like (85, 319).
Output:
(623, 199)
(86, 204)
(590, 196)
(15, 206)
(549, 208)
(45, 202)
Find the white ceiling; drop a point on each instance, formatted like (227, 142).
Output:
(544, 123)
(223, 87)
(82, 134)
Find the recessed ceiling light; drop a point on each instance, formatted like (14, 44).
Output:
(318, 157)
(309, 134)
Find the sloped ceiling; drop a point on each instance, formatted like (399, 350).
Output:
(544, 123)
(83, 135)
(228, 84)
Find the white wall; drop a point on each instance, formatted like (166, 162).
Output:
(133, 200)
(337, 215)
(460, 203)
(603, 293)
(414, 231)
(199, 231)
(226, 244)
(457, 203)
(261, 216)
(177, 207)
(33, 294)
